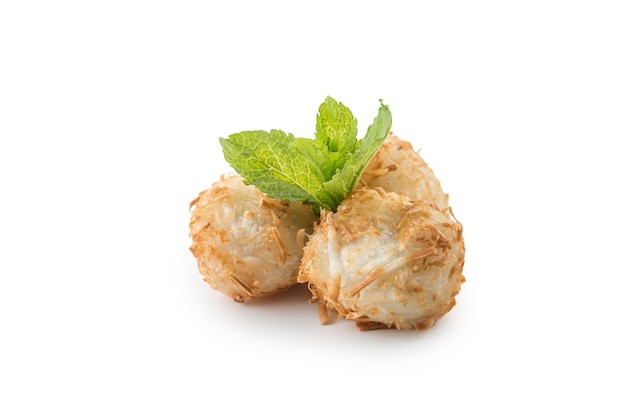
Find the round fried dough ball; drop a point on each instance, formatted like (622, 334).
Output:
(385, 261)
(246, 244)
(397, 167)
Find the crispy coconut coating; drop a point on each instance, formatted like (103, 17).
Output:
(246, 244)
(385, 261)
(398, 168)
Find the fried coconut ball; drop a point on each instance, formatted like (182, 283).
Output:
(385, 261)
(398, 168)
(246, 244)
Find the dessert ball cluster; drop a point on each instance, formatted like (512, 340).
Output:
(390, 256)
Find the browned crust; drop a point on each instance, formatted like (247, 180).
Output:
(283, 252)
(242, 285)
(426, 324)
(322, 312)
(381, 171)
(366, 325)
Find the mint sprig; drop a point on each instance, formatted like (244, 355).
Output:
(320, 171)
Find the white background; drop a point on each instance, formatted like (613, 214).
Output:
(110, 114)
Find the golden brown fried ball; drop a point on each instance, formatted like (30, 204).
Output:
(385, 261)
(397, 167)
(246, 244)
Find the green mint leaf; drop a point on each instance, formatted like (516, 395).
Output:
(266, 160)
(336, 127)
(320, 171)
(344, 181)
